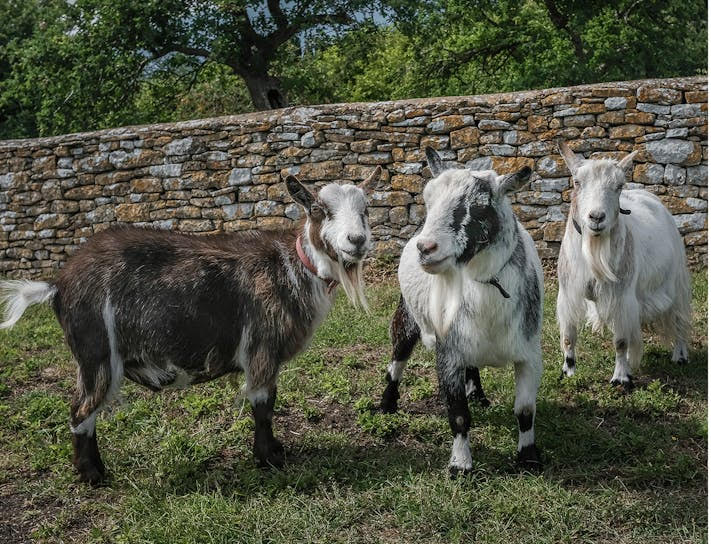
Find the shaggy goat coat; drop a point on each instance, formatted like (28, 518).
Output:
(167, 310)
(472, 289)
(622, 264)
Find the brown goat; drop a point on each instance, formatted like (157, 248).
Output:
(169, 309)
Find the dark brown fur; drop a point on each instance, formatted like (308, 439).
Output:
(183, 302)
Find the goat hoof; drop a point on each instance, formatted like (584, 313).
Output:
(683, 361)
(484, 402)
(272, 460)
(627, 385)
(458, 472)
(94, 476)
(529, 458)
(388, 404)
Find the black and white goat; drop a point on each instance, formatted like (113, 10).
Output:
(472, 289)
(622, 264)
(168, 309)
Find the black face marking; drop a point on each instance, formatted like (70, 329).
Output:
(481, 224)
(525, 421)
(570, 362)
(530, 297)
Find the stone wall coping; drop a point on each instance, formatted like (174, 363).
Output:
(295, 114)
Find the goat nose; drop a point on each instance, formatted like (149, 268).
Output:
(356, 239)
(426, 246)
(598, 217)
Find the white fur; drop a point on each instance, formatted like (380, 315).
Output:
(395, 369)
(461, 457)
(116, 362)
(347, 204)
(652, 288)
(17, 295)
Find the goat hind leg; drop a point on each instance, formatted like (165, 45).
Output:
(473, 386)
(88, 399)
(404, 333)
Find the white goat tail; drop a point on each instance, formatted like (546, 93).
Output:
(17, 295)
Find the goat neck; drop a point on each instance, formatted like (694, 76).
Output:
(486, 266)
(316, 260)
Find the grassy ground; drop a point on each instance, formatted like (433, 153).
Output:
(620, 468)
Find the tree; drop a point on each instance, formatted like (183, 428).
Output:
(82, 64)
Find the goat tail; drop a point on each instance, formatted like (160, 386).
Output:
(17, 295)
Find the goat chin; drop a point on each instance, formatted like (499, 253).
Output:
(351, 278)
(597, 252)
(445, 298)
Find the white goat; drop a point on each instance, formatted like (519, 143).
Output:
(472, 288)
(622, 265)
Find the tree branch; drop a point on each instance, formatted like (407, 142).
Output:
(561, 22)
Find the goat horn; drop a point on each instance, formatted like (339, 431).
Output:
(625, 212)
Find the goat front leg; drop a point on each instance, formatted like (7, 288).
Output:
(527, 375)
(261, 391)
(267, 450)
(404, 333)
(451, 382)
(568, 334)
(628, 343)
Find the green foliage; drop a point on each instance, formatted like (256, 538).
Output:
(90, 64)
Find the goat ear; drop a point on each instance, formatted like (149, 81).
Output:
(571, 160)
(434, 161)
(368, 184)
(627, 161)
(299, 193)
(508, 183)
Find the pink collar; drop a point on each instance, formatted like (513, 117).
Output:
(310, 266)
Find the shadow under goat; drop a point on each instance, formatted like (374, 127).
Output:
(472, 289)
(168, 309)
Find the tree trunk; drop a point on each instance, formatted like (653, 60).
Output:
(265, 91)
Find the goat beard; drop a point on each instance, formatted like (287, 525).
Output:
(445, 298)
(597, 252)
(350, 276)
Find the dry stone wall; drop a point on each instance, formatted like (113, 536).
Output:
(224, 174)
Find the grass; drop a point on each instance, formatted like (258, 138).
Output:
(622, 468)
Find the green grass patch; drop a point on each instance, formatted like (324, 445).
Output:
(622, 468)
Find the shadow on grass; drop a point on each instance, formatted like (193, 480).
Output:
(641, 439)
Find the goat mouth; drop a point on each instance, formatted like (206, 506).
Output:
(596, 231)
(432, 266)
(352, 257)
